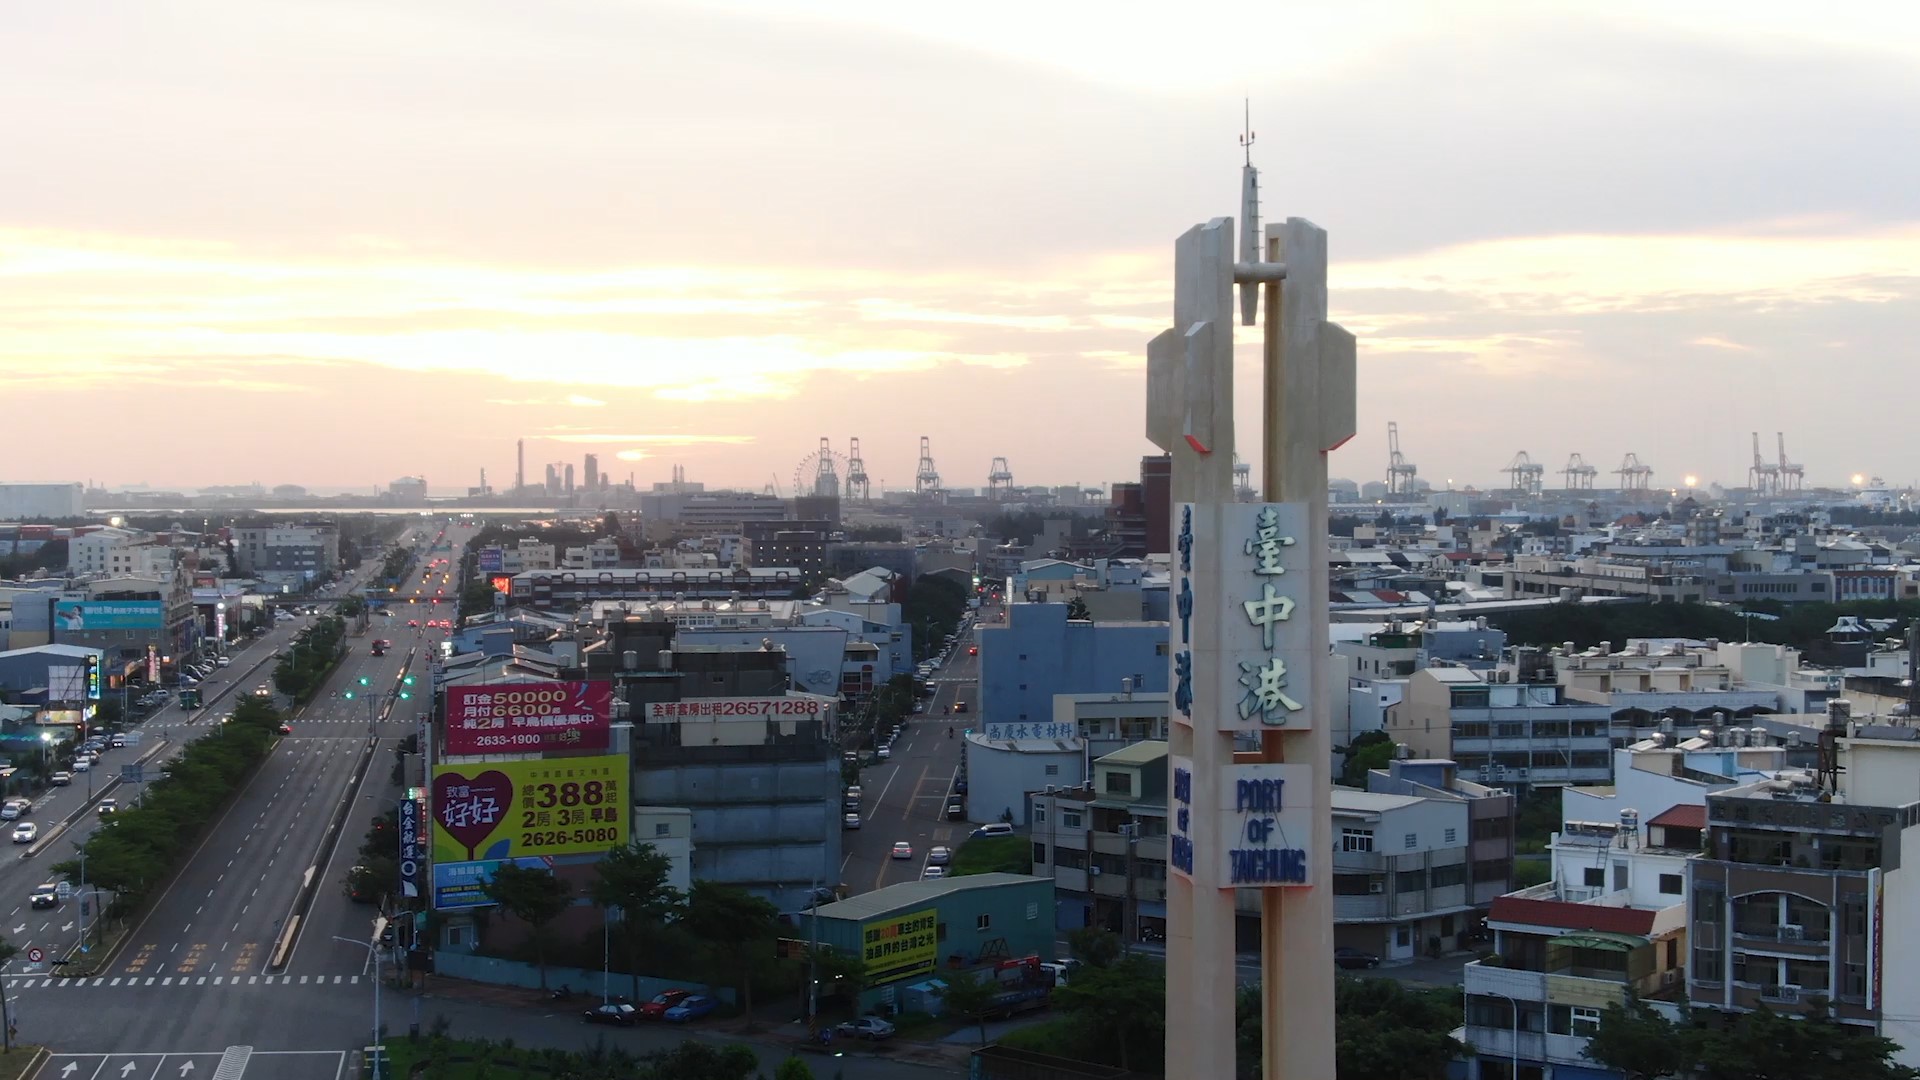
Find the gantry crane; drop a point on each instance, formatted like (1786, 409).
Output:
(1633, 475)
(1400, 471)
(1578, 474)
(1525, 474)
(1791, 474)
(1763, 476)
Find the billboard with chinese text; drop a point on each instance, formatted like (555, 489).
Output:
(459, 885)
(900, 947)
(529, 718)
(75, 615)
(409, 847)
(517, 809)
(794, 707)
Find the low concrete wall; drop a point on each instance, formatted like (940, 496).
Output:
(497, 972)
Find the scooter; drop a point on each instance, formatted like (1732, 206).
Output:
(565, 993)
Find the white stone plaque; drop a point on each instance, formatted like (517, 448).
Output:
(1242, 633)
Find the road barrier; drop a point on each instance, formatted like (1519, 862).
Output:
(316, 872)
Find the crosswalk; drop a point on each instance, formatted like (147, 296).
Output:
(37, 982)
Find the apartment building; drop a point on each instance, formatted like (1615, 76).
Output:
(1514, 726)
(1807, 887)
(287, 554)
(1411, 866)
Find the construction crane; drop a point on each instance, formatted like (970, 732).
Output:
(926, 478)
(999, 479)
(1400, 471)
(1525, 474)
(859, 488)
(1633, 475)
(1763, 476)
(1578, 474)
(1242, 480)
(1791, 475)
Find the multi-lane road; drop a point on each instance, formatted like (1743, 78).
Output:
(905, 797)
(214, 928)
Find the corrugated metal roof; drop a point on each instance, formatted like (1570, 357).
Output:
(911, 894)
(1145, 752)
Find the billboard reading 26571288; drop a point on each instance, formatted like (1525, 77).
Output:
(528, 718)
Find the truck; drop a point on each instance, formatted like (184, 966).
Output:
(1025, 985)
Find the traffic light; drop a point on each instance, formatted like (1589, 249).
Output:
(348, 695)
(364, 681)
(408, 680)
(405, 695)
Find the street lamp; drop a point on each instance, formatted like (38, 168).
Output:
(373, 951)
(1516, 1028)
(46, 744)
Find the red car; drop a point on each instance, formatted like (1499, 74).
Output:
(656, 1007)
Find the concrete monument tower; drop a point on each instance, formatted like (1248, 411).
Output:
(1251, 753)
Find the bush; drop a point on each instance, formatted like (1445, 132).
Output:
(993, 855)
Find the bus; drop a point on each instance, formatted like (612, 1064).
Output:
(190, 698)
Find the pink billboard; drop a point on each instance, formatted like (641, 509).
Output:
(528, 718)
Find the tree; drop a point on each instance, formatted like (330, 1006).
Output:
(693, 1060)
(535, 897)
(736, 924)
(476, 598)
(793, 1069)
(1384, 1031)
(7, 952)
(1095, 947)
(969, 997)
(1640, 1042)
(634, 879)
(1369, 750)
(1077, 610)
(1122, 1006)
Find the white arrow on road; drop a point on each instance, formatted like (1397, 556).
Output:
(21, 929)
(66, 928)
(186, 1067)
(127, 1068)
(72, 1067)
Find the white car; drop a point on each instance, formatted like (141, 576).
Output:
(903, 850)
(26, 833)
(223, 661)
(883, 753)
(939, 856)
(932, 872)
(81, 764)
(851, 821)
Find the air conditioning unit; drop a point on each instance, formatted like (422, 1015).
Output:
(1521, 773)
(1669, 977)
(1793, 933)
(1375, 888)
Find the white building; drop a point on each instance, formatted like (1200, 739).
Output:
(28, 501)
(90, 554)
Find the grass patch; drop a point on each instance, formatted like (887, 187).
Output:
(1045, 1037)
(993, 855)
(13, 1065)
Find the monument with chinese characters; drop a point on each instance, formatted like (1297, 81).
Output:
(1250, 752)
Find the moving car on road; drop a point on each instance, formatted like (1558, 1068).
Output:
(108, 807)
(59, 779)
(903, 850)
(46, 896)
(867, 1027)
(26, 833)
(1353, 959)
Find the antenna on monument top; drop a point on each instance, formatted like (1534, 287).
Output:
(1250, 247)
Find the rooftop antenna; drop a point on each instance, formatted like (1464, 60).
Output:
(1250, 252)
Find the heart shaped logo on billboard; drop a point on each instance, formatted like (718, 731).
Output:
(469, 809)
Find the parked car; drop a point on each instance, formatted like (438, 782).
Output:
(851, 821)
(615, 1013)
(14, 808)
(692, 1007)
(656, 1007)
(223, 661)
(956, 809)
(59, 779)
(994, 828)
(1353, 959)
(82, 763)
(883, 752)
(933, 872)
(867, 1027)
(939, 856)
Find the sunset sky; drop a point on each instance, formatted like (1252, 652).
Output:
(334, 242)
